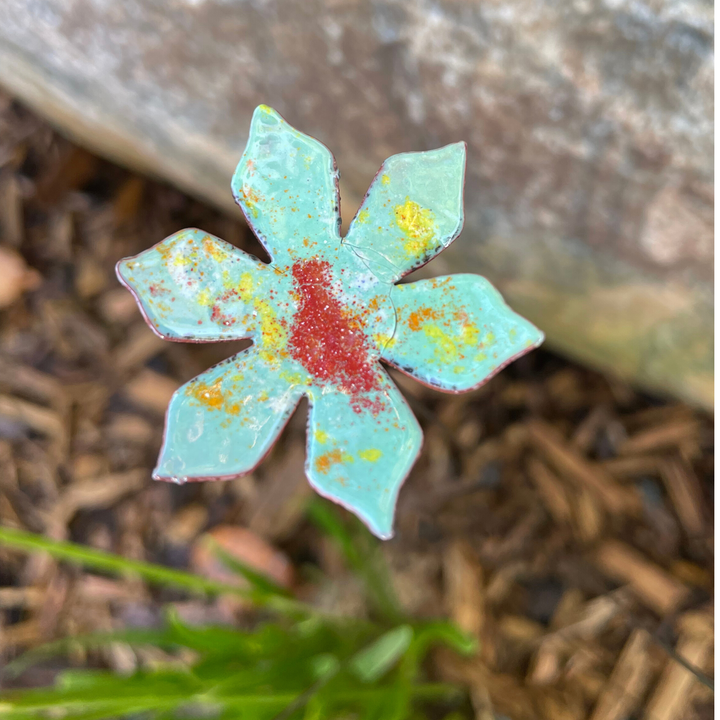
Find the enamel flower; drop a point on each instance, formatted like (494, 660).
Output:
(322, 316)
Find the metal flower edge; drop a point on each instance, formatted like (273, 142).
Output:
(322, 315)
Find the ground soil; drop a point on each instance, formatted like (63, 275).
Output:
(558, 514)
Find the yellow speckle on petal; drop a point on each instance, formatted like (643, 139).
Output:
(251, 198)
(470, 335)
(383, 340)
(293, 378)
(445, 348)
(213, 250)
(321, 436)
(205, 297)
(363, 217)
(371, 454)
(245, 287)
(418, 225)
(272, 333)
(385, 179)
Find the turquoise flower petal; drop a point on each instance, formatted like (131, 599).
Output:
(455, 332)
(286, 184)
(222, 423)
(321, 316)
(187, 287)
(360, 449)
(412, 211)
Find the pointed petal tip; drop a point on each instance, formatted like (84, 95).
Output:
(538, 336)
(383, 534)
(264, 114)
(123, 269)
(382, 527)
(460, 147)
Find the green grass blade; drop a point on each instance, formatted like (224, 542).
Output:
(372, 662)
(133, 636)
(114, 564)
(362, 555)
(150, 572)
(260, 582)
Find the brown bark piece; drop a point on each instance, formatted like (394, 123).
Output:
(279, 507)
(671, 434)
(685, 492)
(552, 492)
(655, 587)
(464, 588)
(151, 390)
(141, 346)
(672, 696)
(95, 494)
(626, 685)
(575, 467)
(47, 422)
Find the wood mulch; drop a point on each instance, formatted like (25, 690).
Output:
(560, 516)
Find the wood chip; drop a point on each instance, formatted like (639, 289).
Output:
(575, 467)
(151, 390)
(655, 587)
(100, 493)
(686, 494)
(125, 427)
(546, 664)
(32, 383)
(669, 435)
(12, 231)
(628, 682)
(552, 491)
(142, 345)
(187, 524)
(22, 597)
(44, 421)
(95, 588)
(27, 632)
(593, 617)
(15, 277)
(587, 516)
(280, 505)
(587, 431)
(117, 305)
(74, 170)
(629, 467)
(464, 588)
(671, 699)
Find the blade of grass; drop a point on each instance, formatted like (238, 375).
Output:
(262, 583)
(373, 661)
(362, 555)
(157, 574)
(140, 636)
(115, 564)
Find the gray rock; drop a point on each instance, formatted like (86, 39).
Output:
(589, 189)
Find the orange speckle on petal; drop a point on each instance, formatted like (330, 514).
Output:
(325, 461)
(419, 316)
(211, 396)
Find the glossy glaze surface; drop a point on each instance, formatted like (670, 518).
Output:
(322, 315)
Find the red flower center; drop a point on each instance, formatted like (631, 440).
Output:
(325, 336)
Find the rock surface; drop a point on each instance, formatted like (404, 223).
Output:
(589, 125)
